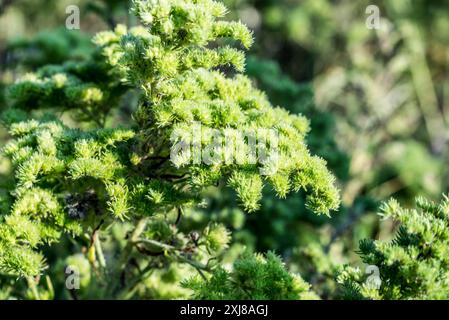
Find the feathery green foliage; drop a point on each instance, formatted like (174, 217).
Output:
(414, 265)
(176, 71)
(129, 162)
(49, 47)
(79, 184)
(89, 88)
(253, 277)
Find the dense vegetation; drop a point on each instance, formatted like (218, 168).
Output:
(117, 180)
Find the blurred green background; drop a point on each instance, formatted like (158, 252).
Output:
(378, 101)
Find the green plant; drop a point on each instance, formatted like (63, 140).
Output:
(253, 277)
(154, 162)
(414, 264)
(97, 181)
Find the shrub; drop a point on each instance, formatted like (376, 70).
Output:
(97, 181)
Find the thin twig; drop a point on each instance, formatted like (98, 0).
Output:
(124, 258)
(178, 218)
(198, 266)
(32, 285)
